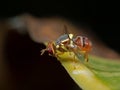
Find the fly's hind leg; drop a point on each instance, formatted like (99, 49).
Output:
(86, 57)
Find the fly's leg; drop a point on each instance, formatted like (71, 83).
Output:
(74, 51)
(85, 54)
(54, 50)
(75, 62)
(86, 57)
(71, 51)
(61, 51)
(43, 51)
(50, 48)
(57, 54)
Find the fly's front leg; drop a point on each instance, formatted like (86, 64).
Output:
(50, 48)
(43, 51)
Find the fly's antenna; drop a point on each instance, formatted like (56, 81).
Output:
(70, 35)
(65, 29)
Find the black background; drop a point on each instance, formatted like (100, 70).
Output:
(102, 17)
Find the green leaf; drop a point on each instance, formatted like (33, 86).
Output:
(97, 74)
(108, 71)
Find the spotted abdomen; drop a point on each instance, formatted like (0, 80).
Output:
(83, 43)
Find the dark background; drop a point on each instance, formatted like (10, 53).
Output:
(101, 16)
(32, 71)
